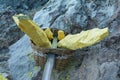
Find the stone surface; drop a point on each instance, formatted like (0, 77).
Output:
(100, 62)
(9, 32)
(22, 64)
(74, 15)
(23, 4)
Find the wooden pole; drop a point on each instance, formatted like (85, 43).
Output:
(50, 62)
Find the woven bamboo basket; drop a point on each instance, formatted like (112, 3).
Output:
(63, 56)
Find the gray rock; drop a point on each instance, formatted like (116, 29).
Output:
(100, 62)
(23, 4)
(76, 15)
(9, 33)
(21, 64)
(109, 71)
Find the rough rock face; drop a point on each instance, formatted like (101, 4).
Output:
(22, 65)
(23, 4)
(101, 61)
(9, 33)
(84, 14)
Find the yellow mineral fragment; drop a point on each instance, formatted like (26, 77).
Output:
(83, 39)
(49, 33)
(36, 34)
(61, 34)
(2, 77)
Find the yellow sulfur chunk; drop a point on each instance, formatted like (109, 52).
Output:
(61, 35)
(36, 34)
(83, 39)
(49, 33)
(2, 77)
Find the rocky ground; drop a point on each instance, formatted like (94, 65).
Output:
(9, 32)
(100, 62)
